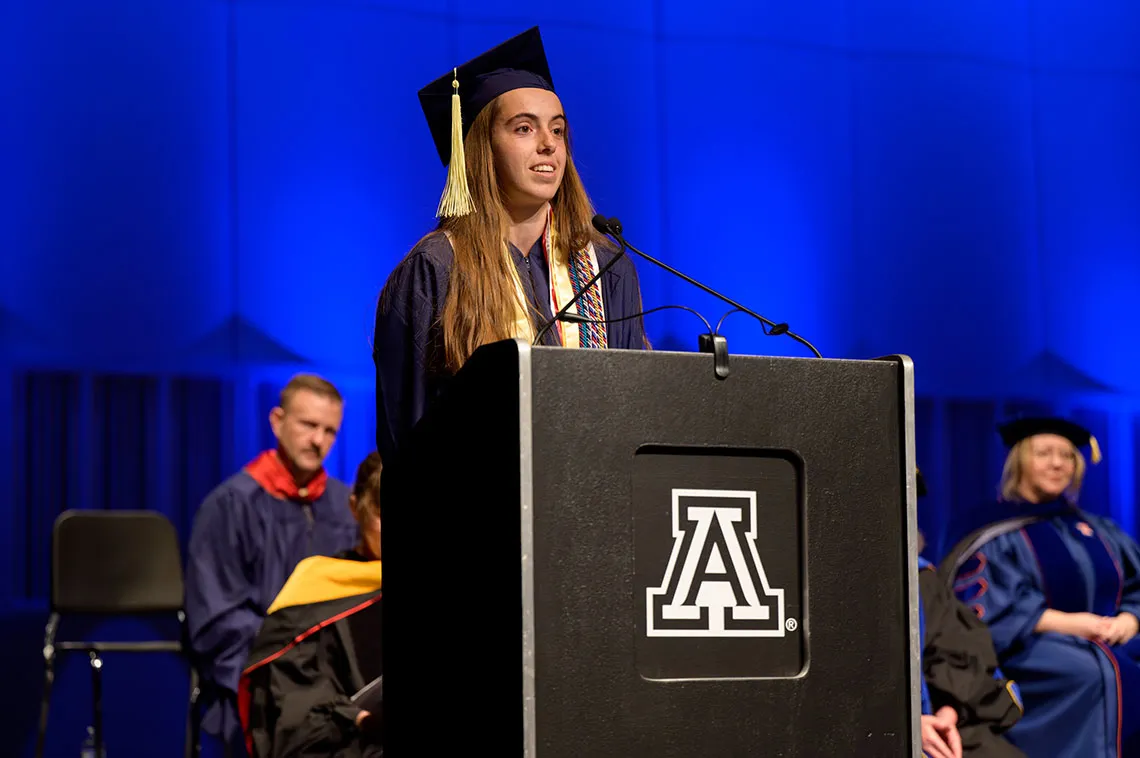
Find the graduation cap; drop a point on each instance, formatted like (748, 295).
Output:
(919, 482)
(1016, 430)
(452, 102)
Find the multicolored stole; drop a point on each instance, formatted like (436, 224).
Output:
(569, 272)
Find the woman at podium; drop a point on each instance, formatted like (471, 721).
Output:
(1060, 591)
(514, 243)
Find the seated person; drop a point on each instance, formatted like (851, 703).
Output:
(319, 645)
(248, 536)
(1059, 589)
(967, 703)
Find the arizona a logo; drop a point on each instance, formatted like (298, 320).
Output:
(714, 585)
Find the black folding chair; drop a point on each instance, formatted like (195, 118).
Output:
(114, 563)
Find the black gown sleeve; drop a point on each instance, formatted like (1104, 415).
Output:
(316, 716)
(401, 345)
(961, 670)
(623, 301)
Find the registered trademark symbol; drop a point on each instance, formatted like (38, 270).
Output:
(790, 625)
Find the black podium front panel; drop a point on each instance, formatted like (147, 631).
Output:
(777, 491)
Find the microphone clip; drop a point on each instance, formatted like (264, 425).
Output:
(717, 345)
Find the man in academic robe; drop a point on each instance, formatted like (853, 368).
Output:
(248, 536)
(319, 646)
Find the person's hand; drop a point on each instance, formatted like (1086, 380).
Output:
(940, 738)
(371, 727)
(1089, 626)
(1121, 629)
(949, 717)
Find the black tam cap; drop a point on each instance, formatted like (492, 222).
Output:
(518, 63)
(452, 102)
(1016, 430)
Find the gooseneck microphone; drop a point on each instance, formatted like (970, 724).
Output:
(611, 227)
(598, 219)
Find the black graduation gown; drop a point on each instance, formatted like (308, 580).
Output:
(311, 655)
(959, 665)
(407, 341)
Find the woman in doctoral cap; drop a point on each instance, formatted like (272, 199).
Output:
(1060, 591)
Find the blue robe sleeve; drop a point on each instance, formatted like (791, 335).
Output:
(221, 608)
(624, 300)
(401, 342)
(1129, 553)
(635, 337)
(1000, 584)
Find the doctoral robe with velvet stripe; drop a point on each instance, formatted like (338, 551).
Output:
(407, 343)
(1082, 698)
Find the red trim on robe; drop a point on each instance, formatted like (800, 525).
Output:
(244, 701)
(270, 472)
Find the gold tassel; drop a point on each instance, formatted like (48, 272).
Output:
(456, 200)
(1094, 448)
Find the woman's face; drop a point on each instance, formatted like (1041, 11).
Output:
(1047, 466)
(528, 140)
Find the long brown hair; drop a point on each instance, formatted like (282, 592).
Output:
(480, 304)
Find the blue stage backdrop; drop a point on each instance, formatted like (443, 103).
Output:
(200, 198)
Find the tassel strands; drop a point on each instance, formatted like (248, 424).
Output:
(456, 199)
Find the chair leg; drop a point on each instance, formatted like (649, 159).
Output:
(45, 704)
(193, 743)
(97, 701)
(49, 679)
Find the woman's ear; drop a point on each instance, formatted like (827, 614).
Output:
(352, 503)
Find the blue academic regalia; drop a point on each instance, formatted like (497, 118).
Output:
(964, 521)
(244, 545)
(1082, 699)
(406, 341)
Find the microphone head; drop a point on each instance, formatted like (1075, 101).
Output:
(615, 225)
(601, 223)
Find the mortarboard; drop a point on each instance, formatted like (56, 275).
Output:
(1016, 430)
(919, 482)
(452, 102)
